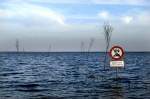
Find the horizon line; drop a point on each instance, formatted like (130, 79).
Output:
(64, 51)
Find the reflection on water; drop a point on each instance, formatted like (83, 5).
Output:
(72, 76)
(117, 91)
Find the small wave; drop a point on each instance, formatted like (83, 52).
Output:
(10, 73)
(29, 85)
(32, 90)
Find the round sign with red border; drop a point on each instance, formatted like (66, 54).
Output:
(116, 53)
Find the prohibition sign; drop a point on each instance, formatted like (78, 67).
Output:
(116, 53)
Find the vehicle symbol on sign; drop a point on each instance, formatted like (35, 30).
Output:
(116, 53)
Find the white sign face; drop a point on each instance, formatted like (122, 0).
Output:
(116, 63)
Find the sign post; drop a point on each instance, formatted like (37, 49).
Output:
(116, 53)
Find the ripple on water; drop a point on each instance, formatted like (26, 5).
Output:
(72, 76)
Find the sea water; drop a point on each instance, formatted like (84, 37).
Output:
(73, 75)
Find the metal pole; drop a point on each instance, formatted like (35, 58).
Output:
(116, 72)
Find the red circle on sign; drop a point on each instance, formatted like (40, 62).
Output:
(114, 56)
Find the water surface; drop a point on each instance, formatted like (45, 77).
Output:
(72, 76)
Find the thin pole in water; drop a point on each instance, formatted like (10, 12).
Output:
(17, 45)
(49, 48)
(90, 46)
(82, 46)
(107, 33)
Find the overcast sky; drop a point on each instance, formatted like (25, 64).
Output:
(64, 24)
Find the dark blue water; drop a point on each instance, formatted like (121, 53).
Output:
(72, 76)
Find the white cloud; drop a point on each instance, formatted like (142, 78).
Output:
(30, 20)
(140, 17)
(127, 19)
(59, 1)
(135, 17)
(143, 18)
(122, 2)
(113, 2)
(104, 15)
(31, 12)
